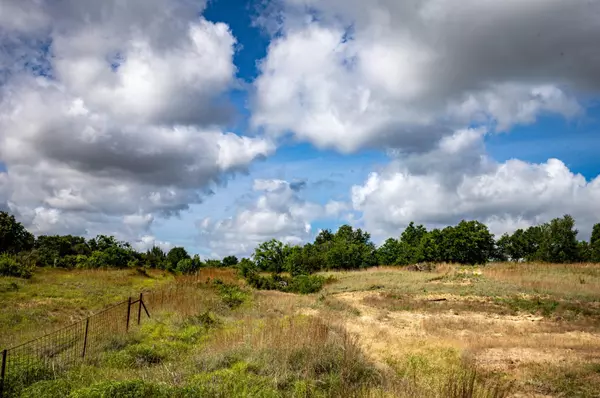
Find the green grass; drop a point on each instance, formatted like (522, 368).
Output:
(53, 298)
(219, 337)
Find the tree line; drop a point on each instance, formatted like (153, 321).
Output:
(468, 242)
(20, 252)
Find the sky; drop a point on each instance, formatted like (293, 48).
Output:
(218, 125)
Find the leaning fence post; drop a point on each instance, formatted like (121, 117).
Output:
(128, 313)
(140, 308)
(87, 325)
(3, 371)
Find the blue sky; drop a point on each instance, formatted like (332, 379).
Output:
(305, 125)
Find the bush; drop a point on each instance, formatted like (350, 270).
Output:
(303, 284)
(9, 266)
(231, 295)
(247, 267)
(230, 261)
(211, 263)
(186, 266)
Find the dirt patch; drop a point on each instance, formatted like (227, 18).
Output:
(503, 359)
(497, 341)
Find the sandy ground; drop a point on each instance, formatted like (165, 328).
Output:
(494, 342)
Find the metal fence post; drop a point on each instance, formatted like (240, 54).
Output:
(87, 325)
(128, 312)
(140, 308)
(3, 371)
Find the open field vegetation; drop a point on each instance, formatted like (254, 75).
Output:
(321, 319)
(457, 331)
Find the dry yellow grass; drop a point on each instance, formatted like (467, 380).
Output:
(575, 280)
(506, 319)
(456, 331)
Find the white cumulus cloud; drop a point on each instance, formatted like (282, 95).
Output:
(279, 212)
(353, 74)
(506, 196)
(110, 112)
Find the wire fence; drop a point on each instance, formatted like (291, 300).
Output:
(75, 343)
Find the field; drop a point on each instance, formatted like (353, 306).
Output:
(520, 330)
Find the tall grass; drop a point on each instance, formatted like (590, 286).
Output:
(570, 280)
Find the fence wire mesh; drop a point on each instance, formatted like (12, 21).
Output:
(84, 340)
(68, 346)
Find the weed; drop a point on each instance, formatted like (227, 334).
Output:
(124, 389)
(47, 389)
(232, 295)
(8, 286)
(205, 319)
(23, 374)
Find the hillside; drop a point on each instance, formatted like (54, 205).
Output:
(499, 330)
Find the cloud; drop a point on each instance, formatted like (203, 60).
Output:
(353, 74)
(110, 113)
(147, 242)
(279, 212)
(457, 180)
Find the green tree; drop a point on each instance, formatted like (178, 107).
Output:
(230, 261)
(323, 237)
(431, 247)
(595, 244)
(408, 251)
(350, 249)
(559, 243)
(188, 265)
(522, 244)
(531, 242)
(247, 268)
(388, 252)
(14, 237)
(174, 256)
(270, 256)
(155, 258)
(60, 250)
(584, 251)
(470, 242)
(502, 248)
(213, 263)
(303, 260)
(412, 234)
(97, 259)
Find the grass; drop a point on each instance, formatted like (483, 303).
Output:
(492, 331)
(54, 297)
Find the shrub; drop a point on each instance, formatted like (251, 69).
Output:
(233, 296)
(9, 266)
(205, 319)
(186, 266)
(247, 267)
(303, 284)
(211, 263)
(230, 261)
